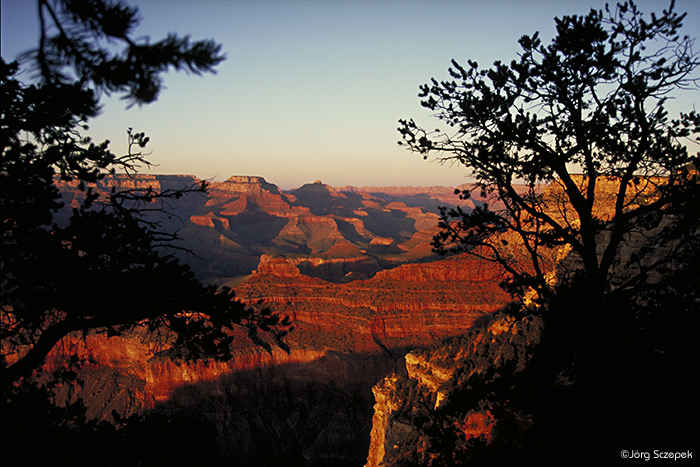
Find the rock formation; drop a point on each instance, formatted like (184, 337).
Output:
(396, 308)
(328, 234)
(337, 236)
(485, 389)
(356, 274)
(430, 391)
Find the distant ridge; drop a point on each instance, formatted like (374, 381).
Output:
(427, 196)
(400, 190)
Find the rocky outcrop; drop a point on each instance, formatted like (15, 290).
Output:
(459, 284)
(210, 220)
(341, 263)
(385, 394)
(239, 193)
(244, 185)
(410, 408)
(278, 267)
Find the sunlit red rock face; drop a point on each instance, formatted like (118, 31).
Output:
(150, 378)
(400, 307)
(407, 306)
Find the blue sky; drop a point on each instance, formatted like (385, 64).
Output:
(314, 89)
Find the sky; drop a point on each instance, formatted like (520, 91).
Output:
(313, 90)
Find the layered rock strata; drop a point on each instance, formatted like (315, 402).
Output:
(397, 307)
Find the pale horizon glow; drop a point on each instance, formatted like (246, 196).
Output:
(313, 90)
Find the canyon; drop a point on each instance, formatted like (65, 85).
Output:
(353, 270)
(388, 339)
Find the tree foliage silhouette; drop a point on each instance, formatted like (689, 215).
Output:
(106, 267)
(592, 102)
(585, 115)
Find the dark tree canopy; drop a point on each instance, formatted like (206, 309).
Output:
(586, 112)
(81, 40)
(593, 177)
(108, 267)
